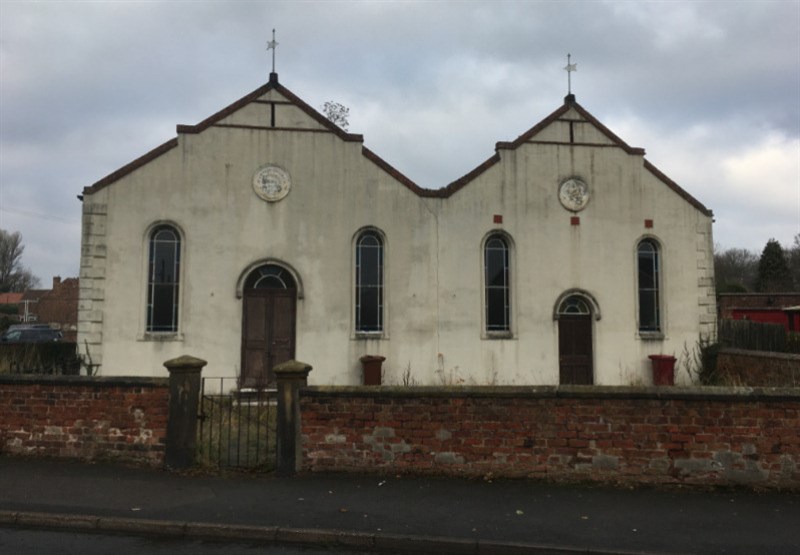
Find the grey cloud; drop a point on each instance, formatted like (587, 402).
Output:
(88, 87)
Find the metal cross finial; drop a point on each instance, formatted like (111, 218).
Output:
(271, 45)
(569, 69)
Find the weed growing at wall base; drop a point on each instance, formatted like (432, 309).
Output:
(700, 362)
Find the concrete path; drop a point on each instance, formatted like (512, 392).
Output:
(389, 513)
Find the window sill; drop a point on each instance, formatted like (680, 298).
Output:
(651, 335)
(497, 335)
(162, 336)
(369, 335)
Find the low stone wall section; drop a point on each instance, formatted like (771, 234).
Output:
(758, 368)
(85, 417)
(709, 436)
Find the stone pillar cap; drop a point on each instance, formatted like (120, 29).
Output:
(292, 367)
(185, 362)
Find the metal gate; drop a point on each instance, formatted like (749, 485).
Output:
(237, 425)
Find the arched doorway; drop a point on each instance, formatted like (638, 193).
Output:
(575, 361)
(268, 323)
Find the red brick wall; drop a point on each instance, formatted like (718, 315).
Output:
(624, 435)
(758, 368)
(60, 306)
(84, 417)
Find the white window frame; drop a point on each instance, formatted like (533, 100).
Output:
(660, 309)
(509, 286)
(381, 333)
(147, 334)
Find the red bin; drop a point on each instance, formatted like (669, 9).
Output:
(372, 369)
(663, 369)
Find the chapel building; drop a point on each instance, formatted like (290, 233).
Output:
(266, 233)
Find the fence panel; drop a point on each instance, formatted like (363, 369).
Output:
(754, 336)
(237, 426)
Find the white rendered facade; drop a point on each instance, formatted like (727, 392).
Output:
(419, 296)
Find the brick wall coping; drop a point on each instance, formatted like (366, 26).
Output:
(760, 354)
(88, 381)
(706, 393)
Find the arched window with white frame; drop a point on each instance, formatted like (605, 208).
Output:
(369, 293)
(163, 279)
(649, 283)
(497, 284)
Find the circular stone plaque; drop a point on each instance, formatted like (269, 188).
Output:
(573, 194)
(271, 182)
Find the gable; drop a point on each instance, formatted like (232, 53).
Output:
(572, 125)
(271, 107)
(274, 107)
(272, 110)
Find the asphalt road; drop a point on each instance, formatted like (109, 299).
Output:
(580, 517)
(35, 542)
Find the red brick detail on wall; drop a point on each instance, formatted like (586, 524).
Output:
(498, 218)
(123, 419)
(575, 220)
(616, 435)
(648, 224)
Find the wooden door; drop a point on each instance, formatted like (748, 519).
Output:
(268, 333)
(575, 349)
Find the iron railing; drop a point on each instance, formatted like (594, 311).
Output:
(237, 426)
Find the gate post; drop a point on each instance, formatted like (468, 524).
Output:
(184, 396)
(291, 376)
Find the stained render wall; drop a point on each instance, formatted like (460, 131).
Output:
(433, 259)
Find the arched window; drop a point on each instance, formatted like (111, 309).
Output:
(574, 305)
(648, 283)
(269, 276)
(497, 284)
(369, 282)
(163, 279)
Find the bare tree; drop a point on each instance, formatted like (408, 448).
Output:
(14, 277)
(793, 255)
(735, 270)
(337, 113)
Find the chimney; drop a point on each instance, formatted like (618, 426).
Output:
(56, 282)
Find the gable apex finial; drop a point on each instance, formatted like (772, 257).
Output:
(272, 45)
(569, 69)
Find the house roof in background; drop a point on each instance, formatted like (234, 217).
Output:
(10, 298)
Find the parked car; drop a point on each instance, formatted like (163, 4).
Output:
(30, 333)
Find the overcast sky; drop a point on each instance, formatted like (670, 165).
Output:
(711, 90)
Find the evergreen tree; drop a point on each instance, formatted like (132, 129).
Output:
(773, 270)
